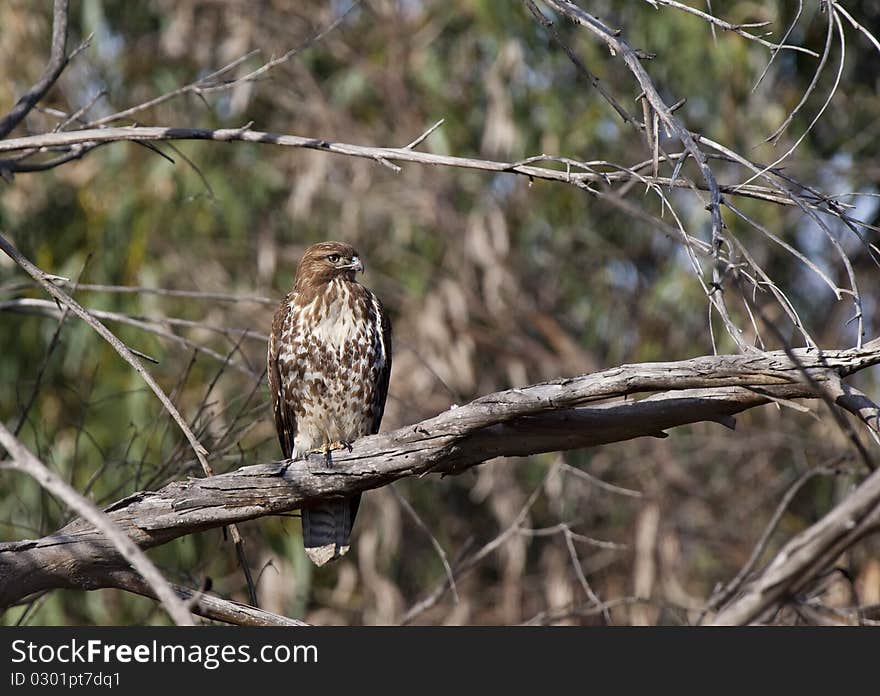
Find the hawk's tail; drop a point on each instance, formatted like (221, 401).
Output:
(327, 528)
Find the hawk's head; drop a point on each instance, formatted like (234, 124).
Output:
(325, 261)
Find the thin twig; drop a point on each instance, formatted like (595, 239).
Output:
(731, 588)
(211, 83)
(579, 571)
(405, 504)
(123, 351)
(596, 481)
(632, 59)
(23, 460)
(736, 28)
(209, 605)
(474, 559)
(418, 141)
(152, 325)
(126, 354)
(581, 68)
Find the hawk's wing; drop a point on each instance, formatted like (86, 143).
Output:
(381, 391)
(285, 422)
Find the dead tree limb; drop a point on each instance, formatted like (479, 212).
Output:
(559, 415)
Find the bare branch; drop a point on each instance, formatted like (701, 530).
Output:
(418, 141)
(785, 36)
(410, 510)
(582, 69)
(155, 326)
(632, 59)
(739, 29)
(546, 417)
(213, 83)
(124, 352)
(205, 604)
(93, 137)
(775, 135)
(128, 355)
(474, 559)
(57, 63)
(724, 594)
(857, 403)
(807, 555)
(160, 292)
(23, 460)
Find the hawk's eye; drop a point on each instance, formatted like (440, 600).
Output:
(333, 258)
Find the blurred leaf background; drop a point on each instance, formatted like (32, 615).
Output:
(492, 281)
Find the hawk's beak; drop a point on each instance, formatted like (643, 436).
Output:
(355, 265)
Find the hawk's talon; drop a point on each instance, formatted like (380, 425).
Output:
(329, 447)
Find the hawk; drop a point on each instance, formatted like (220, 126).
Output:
(329, 364)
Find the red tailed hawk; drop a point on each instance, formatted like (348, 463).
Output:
(329, 365)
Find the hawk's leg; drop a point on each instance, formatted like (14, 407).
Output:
(330, 447)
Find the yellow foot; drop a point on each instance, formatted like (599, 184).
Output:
(330, 447)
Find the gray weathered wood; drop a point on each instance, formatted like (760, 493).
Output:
(559, 415)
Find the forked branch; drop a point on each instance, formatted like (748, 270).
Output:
(559, 415)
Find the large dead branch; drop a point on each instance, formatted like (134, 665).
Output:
(559, 415)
